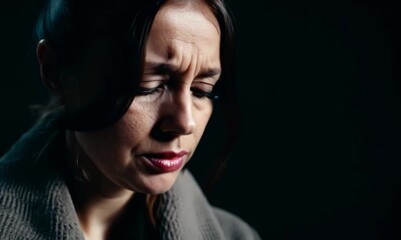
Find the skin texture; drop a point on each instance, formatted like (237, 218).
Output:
(169, 113)
(170, 119)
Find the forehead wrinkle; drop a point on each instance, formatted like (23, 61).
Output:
(183, 45)
(178, 44)
(204, 67)
(178, 54)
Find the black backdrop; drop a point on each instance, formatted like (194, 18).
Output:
(319, 154)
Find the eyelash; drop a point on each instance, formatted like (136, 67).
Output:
(195, 91)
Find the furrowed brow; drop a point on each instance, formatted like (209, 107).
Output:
(159, 68)
(209, 73)
(166, 68)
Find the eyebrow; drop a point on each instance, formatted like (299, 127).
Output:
(159, 68)
(166, 68)
(211, 72)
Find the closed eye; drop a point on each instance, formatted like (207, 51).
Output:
(199, 93)
(142, 91)
(200, 90)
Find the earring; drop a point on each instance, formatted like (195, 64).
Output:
(80, 173)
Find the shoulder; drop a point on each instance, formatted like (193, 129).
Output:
(234, 227)
(26, 161)
(32, 144)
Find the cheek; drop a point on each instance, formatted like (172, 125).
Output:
(202, 121)
(136, 124)
(97, 145)
(120, 139)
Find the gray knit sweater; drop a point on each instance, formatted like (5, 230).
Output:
(35, 202)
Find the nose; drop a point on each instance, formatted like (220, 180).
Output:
(178, 116)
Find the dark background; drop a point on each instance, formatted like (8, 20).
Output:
(319, 153)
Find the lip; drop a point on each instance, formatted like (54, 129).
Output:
(164, 162)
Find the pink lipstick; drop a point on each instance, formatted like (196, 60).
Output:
(165, 161)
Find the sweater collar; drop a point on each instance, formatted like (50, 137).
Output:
(185, 212)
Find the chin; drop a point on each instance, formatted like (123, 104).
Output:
(154, 190)
(158, 184)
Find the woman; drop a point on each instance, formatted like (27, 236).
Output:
(133, 86)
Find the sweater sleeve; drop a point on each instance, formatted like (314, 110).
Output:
(234, 227)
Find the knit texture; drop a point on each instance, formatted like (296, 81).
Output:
(35, 202)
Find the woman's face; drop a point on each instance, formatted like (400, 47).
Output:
(147, 148)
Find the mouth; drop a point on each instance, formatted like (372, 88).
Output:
(165, 161)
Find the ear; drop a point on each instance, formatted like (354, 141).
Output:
(49, 66)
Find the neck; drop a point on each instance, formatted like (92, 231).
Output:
(98, 210)
(98, 201)
(97, 215)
